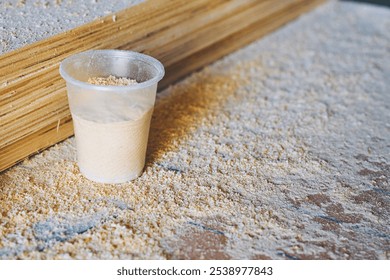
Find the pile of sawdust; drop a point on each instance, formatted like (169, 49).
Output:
(20, 25)
(111, 81)
(279, 150)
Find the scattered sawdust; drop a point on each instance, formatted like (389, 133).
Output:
(111, 81)
(244, 161)
(21, 3)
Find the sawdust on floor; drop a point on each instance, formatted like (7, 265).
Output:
(279, 151)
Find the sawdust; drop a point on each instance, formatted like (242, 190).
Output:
(277, 151)
(111, 81)
(21, 26)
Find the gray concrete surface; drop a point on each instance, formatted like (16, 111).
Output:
(280, 150)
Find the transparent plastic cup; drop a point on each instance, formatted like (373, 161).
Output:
(111, 123)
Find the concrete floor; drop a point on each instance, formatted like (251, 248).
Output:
(280, 150)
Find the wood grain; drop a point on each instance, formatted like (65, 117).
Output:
(183, 35)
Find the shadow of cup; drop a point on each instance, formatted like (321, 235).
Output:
(182, 110)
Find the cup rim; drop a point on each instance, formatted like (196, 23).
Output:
(114, 53)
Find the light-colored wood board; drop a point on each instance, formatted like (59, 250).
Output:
(184, 35)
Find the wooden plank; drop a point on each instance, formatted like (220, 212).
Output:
(184, 35)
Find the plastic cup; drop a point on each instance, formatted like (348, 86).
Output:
(111, 123)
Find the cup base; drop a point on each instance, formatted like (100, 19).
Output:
(104, 180)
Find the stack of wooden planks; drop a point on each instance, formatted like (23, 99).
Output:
(184, 35)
